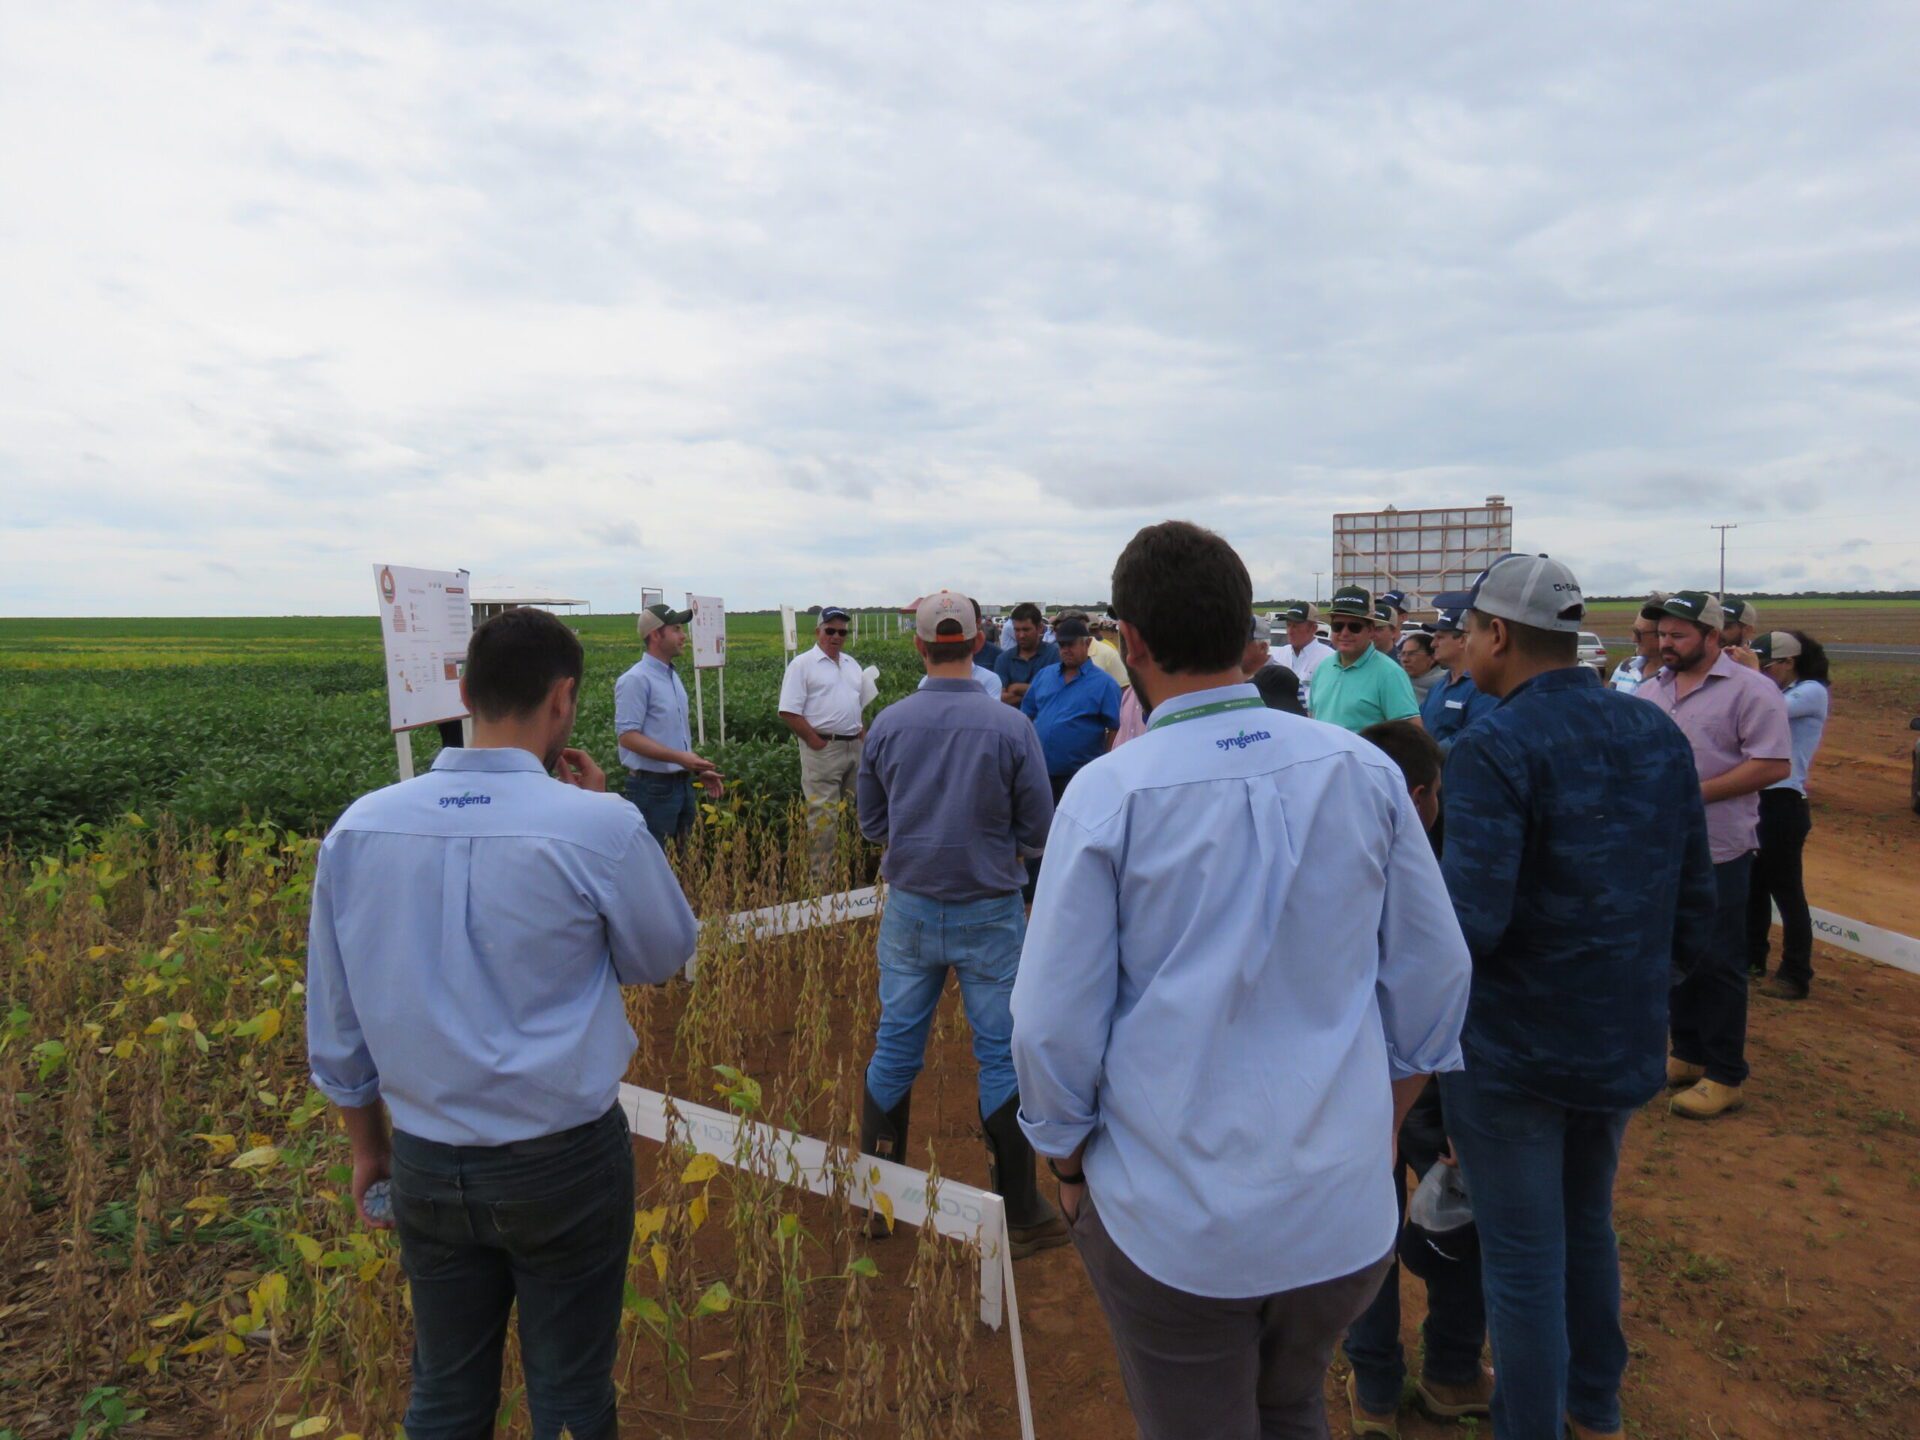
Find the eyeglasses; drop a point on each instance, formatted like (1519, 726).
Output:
(840, 633)
(1341, 627)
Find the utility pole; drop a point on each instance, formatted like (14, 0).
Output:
(1316, 585)
(1723, 554)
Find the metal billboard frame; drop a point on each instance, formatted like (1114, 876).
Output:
(1421, 552)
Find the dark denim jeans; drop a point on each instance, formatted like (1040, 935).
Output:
(1707, 1012)
(1785, 823)
(1541, 1178)
(547, 1222)
(665, 801)
(920, 940)
(1454, 1330)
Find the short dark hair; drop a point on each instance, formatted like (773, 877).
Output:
(1811, 662)
(513, 660)
(1187, 593)
(945, 652)
(1409, 747)
(1028, 611)
(1558, 647)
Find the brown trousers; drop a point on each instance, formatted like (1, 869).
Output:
(1195, 1366)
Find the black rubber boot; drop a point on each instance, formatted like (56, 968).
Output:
(883, 1133)
(1032, 1222)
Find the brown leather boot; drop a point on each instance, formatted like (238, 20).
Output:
(1455, 1402)
(1682, 1073)
(1365, 1422)
(1706, 1100)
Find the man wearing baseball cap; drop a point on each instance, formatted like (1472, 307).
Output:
(1304, 649)
(1390, 610)
(1363, 685)
(1577, 862)
(1736, 722)
(650, 726)
(821, 703)
(1073, 704)
(1742, 623)
(954, 784)
(1455, 702)
(1641, 666)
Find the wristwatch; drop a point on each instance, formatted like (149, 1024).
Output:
(1079, 1177)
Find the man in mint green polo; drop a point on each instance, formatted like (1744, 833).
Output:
(1362, 685)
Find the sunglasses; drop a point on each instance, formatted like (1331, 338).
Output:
(841, 633)
(1341, 627)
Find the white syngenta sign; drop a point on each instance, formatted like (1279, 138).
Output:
(426, 619)
(708, 630)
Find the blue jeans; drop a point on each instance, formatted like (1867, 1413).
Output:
(665, 801)
(920, 940)
(1541, 1179)
(1455, 1327)
(544, 1222)
(1707, 1011)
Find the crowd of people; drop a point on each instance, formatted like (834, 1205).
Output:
(1299, 964)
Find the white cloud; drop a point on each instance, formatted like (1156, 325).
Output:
(852, 300)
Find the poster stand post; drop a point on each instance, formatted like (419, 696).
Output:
(700, 707)
(403, 748)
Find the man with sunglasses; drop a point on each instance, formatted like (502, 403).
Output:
(820, 703)
(1638, 668)
(1365, 685)
(1304, 649)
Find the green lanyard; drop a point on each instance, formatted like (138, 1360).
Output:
(1246, 702)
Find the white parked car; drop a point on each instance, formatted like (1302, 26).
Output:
(1593, 652)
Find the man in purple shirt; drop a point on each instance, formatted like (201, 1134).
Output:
(1737, 724)
(954, 784)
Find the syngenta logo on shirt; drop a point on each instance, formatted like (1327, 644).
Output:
(1242, 740)
(447, 802)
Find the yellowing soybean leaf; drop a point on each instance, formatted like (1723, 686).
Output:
(697, 1212)
(886, 1208)
(96, 952)
(212, 1204)
(647, 1223)
(700, 1168)
(371, 1269)
(271, 1293)
(235, 1345)
(261, 1157)
(864, 1267)
(174, 1317)
(659, 1253)
(202, 1345)
(714, 1300)
(308, 1247)
(259, 1137)
(307, 1427)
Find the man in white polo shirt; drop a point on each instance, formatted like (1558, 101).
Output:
(820, 704)
(1304, 649)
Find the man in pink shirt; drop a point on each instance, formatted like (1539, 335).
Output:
(1737, 724)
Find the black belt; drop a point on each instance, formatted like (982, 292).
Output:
(839, 737)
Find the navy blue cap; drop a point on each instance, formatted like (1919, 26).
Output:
(1397, 599)
(833, 612)
(1447, 623)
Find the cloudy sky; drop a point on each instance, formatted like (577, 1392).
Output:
(784, 303)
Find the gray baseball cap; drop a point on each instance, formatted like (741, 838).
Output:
(1533, 590)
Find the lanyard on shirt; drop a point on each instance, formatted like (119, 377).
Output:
(1245, 702)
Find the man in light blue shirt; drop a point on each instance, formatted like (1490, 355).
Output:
(1240, 968)
(471, 930)
(650, 726)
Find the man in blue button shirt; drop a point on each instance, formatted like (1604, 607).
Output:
(954, 785)
(1455, 702)
(1578, 863)
(1073, 704)
(650, 726)
(1223, 1039)
(471, 930)
(1030, 653)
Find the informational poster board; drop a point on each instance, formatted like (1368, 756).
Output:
(709, 631)
(789, 640)
(426, 619)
